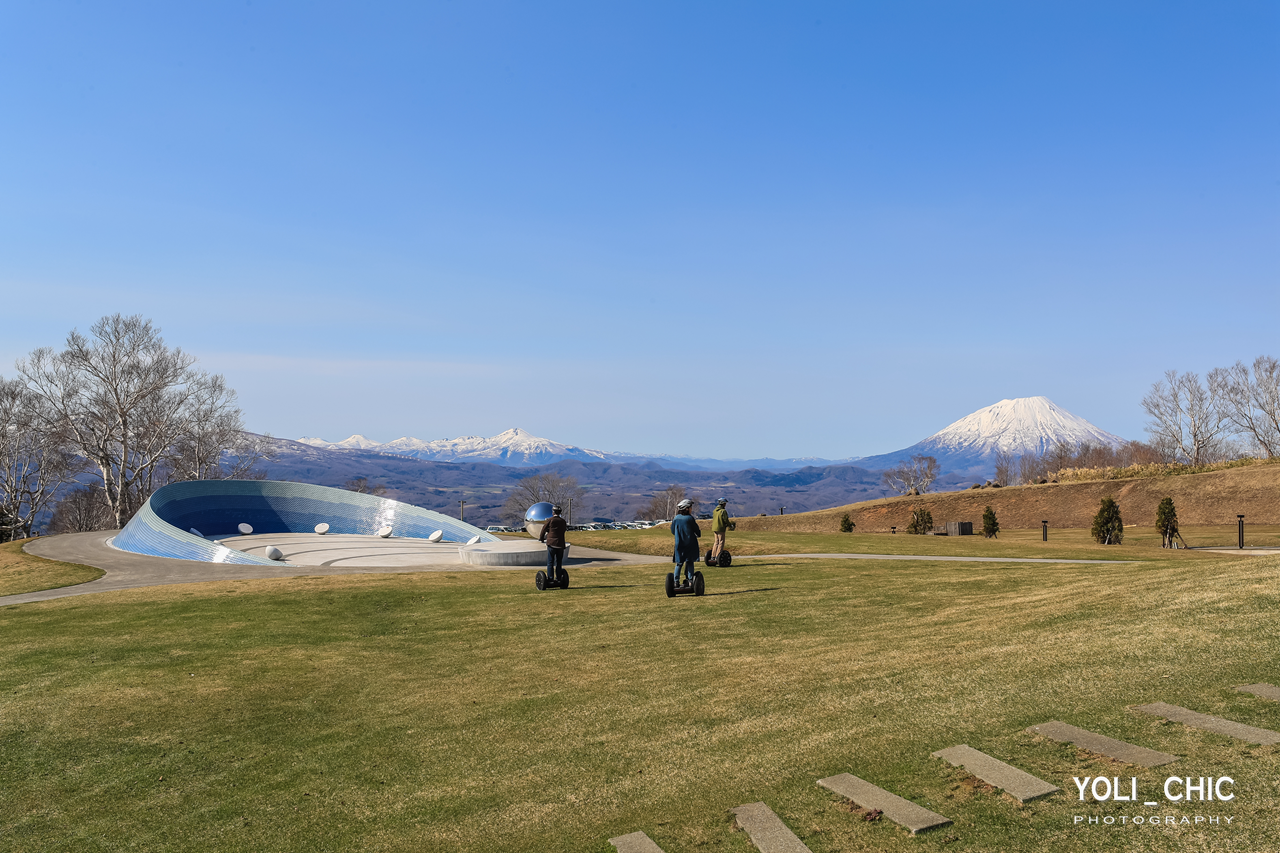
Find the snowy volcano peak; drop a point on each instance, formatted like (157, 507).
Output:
(1022, 425)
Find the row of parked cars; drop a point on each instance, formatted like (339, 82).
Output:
(595, 525)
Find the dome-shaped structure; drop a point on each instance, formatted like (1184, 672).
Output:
(218, 507)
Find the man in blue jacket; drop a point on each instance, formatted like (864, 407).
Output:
(686, 531)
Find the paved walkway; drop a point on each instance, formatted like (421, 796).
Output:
(736, 558)
(132, 571)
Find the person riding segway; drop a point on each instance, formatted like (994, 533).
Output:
(684, 527)
(553, 535)
(718, 555)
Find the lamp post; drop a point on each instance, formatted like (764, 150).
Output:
(782, 510)
(1240, 528)
(893, 530)
(462, 508)
(1044, 531)
(570, 521)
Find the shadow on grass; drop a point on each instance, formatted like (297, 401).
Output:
(742, 591)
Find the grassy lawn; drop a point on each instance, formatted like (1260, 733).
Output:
(21, 572)
(469, 712)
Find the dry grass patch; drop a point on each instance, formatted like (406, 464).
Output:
(22, 572)
(470, 712)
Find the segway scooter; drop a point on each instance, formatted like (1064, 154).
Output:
(542, 581)
(724, 561)
(674, 589)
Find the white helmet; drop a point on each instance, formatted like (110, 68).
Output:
(684, 504)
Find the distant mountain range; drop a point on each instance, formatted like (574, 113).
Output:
(967, 447)
(520, 449)
(482, 471)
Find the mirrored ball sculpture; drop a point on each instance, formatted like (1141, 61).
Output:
(535, 517)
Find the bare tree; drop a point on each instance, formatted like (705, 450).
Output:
(81, 511)
(1004, 467)
(1251, 402)
(912, 477)
(551, 488)
(1061, 455)
(135, 409)
(1031, 468)
(1187, 419)
(34, 463)
(362, 486)
(662, 507)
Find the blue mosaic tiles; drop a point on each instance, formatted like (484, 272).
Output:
(216, 507)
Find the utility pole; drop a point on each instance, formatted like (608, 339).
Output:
(462, 508)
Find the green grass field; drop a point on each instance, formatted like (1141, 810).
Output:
(469, 712)
(21, 573)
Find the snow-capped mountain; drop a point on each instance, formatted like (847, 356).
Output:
(514, 447)
(1025, 425)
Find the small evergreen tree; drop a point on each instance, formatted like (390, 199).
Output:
(990, 527)
(1108, 528)
(1167, 522)
(921, 521)
(846, 524)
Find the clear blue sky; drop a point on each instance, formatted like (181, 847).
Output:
(729, 229)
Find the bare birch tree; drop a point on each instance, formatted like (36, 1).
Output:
(913, 477)
(1004, 467)
(1251, 402)
(34, 462)
(1187, 419)
(662, 507)
(137, 411)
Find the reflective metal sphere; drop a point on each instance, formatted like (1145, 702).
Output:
(535, 517)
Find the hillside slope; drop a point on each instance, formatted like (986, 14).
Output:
(1213, 498)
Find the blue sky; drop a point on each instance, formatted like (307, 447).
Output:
(720, 229)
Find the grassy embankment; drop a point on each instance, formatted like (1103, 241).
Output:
(20, 572)
(469, 712)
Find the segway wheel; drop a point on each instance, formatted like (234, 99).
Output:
(698, 585)
(671, 585)
(707, 559)
(726, 560)
(562, 578)
(540, 579)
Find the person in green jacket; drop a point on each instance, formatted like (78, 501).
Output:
(719, 526)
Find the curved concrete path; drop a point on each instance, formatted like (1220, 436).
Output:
(125, 570)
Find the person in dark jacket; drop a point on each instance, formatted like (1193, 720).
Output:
(553, 535)
(686, 531)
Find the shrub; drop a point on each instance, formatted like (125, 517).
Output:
(1108, 528)
(846, 524)
(1167, 522)
(921, 521)
(990, 527)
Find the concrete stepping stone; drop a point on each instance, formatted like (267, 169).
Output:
(1103, 745)
(767, 831)
(635, 842)
(1217, 725)
(1266, 691)
(902, 812)
(1018, 784)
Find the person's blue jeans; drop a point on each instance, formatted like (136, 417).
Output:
(687, 565)
(555, 559)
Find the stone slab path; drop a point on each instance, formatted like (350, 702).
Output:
(1018, 784)
(635, 842)
(1217, 725)
(1103, 745)
(766, 830)
(902, 812)
(1266, 691)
